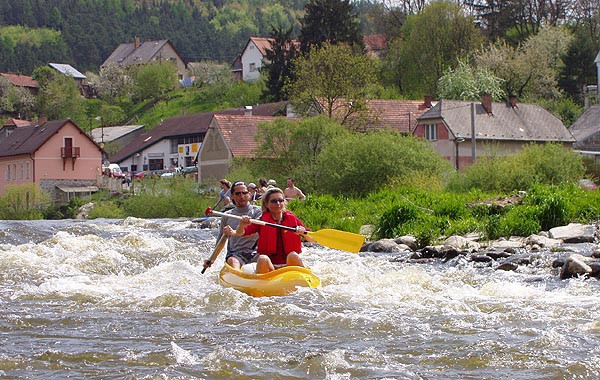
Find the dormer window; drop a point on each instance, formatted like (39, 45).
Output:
(431, 132)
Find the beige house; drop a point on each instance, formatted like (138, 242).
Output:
(503, 128)
(137, 53)
(228, 137)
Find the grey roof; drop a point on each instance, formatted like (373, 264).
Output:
(113, 133)
(127, 54)
(597, 60)
(67, 70)
(525, 122)
(587, 125)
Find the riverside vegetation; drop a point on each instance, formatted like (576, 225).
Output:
(397, 193)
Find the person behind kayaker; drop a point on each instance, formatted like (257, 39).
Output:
(292, 192)
(240, 251)
(261, 188)
(276, 247)
(224, 194)
(253, 193)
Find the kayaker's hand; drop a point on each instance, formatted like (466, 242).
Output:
(245, 220)
(227, 230)
(207, 264)
(300, 231)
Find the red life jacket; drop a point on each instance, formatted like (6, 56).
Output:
(268, 237)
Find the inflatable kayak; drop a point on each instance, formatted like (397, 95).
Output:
(279, 282)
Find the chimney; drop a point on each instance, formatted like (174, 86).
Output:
(427, 101)
(512, 100)
(486, 103)
(248, 111)
(136, 42)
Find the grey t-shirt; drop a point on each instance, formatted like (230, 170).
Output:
(240, 246)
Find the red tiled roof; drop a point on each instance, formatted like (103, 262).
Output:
(399, 115)
(239, 131)
(18, 123)
(193, 124)
(375, 42)
(264, 44)
(20, 80)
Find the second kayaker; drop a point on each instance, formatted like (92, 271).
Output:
(240, 251)
(276, 247)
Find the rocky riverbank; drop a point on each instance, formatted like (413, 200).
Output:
(573, 248)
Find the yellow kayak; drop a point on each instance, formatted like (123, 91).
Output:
(279, 282)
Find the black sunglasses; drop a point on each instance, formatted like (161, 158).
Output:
(241, 193)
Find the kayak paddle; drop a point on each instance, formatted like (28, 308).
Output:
(218, 248)
(342, 240)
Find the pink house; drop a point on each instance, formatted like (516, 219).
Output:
(58, 156)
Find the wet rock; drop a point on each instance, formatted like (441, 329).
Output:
(83, 211)
(574, 233)
(542, 241)
(210, 223)
(575, 265)
(596, 253)
(513, 242)
(481, 258)
(408, 240)
(428, 252)
(448, 253)
(500, 255)
(507, 266)
(384, 245)
(460, 242)
(558, 263)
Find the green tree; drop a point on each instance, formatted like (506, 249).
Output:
(60, 98)
(358, 164)
(291, 148)
(279, 68)
(531, 69)
(333, 21)
(20, 100)
(153, 80)
(332, 80)
(466, 83)
(435, 40)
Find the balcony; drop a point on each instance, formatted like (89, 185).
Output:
(72, 152)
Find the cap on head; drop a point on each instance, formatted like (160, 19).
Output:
(271, 182)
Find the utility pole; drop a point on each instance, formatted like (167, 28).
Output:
(472, 133)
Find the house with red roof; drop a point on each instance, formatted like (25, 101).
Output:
(228, 137)
(24, 81)
(175, 142)
(253, 57)
(58, 156)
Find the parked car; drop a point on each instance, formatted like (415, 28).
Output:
(587, 184)
(171, 173)
(113, 170)
(139, 174)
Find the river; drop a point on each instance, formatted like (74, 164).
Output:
(125, 299)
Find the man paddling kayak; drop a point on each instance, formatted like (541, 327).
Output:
(276, 247)
(240, 251)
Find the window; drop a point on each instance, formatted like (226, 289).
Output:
(14, 169)
(8, 172)
(27, 169)
(430, 132)
(252, 67)
(22, 172)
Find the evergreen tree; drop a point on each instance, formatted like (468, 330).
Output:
(279, 68)
(332, 21)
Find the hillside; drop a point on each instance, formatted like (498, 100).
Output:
(85, 32)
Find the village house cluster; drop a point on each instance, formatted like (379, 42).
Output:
(66, 161)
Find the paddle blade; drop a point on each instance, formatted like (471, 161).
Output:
(342, 240)
(218, 248)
